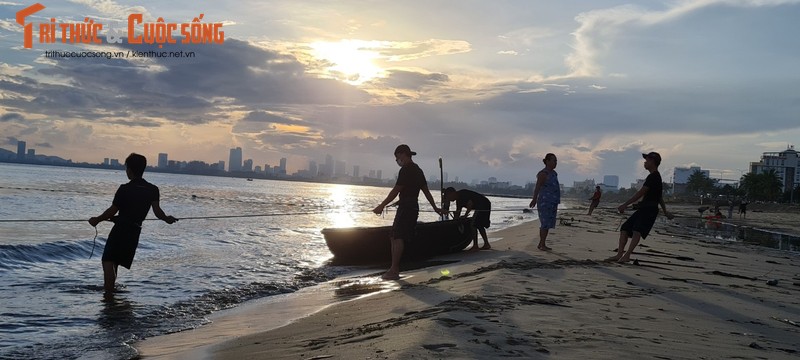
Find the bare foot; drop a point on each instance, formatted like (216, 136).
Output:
(543, 248)
(390, 275)
(473, 249)
(486, 246)
(612, 259)
(624, 259)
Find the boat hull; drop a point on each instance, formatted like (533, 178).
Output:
(363, 245)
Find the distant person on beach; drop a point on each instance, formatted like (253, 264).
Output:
(730, 209)
(639, 224)
(743, 209)
(546, 196)
(471, 200)
(595, 199)
(410, 181)
(133, 201)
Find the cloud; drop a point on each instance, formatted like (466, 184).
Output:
(399, 79)
(115, 10)
(12, 117)
(599, 29)
(10, 140)
(412, 50)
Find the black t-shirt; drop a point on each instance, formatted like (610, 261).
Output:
(134, 199)
(479, 202)
(654, 189)
(412, 179)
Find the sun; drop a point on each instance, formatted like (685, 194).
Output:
(352, 61)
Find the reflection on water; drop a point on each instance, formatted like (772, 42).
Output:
(719, 229)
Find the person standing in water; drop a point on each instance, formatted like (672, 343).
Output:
(132, 201)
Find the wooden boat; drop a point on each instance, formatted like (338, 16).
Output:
(364, 245)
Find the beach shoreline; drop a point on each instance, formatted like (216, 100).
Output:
(684, 296)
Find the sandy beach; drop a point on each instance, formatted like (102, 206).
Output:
(684, 297)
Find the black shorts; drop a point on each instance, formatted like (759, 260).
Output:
(405, 222)
(481, 218)
(121, 244)
(641, 221)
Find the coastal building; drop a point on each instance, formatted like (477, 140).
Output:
(163, 160)
(312, 169)
(785, 164)
(235, 160)
(340, 169)
(611, 181)
(583, 186)
(282, 167)
(680, 177)
(21, 150)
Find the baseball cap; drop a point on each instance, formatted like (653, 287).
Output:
(404, 149)
(653, 155)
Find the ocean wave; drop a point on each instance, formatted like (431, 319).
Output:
(22, 256)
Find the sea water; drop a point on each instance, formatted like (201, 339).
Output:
(258, 239)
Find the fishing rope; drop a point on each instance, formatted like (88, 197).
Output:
(226, 216)
(94, 241)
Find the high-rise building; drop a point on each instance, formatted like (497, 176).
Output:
(20, 150)
(312, 168)
(31, 154)
(785, 163)
(379, 175)
(283, 166)
(328, 172)
(340, 168)
(235, 160)
(248, 165)
(163, 160)
(611, 181)
(355, 171)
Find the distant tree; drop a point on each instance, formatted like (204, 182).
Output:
(699, 183)
(764, 186)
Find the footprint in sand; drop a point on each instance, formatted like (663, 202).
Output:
(438, 347)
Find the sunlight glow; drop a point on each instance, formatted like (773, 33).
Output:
(340, 215)
(352, 61)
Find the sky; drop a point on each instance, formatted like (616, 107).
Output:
(489, 86)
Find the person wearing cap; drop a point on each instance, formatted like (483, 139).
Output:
(639, 224)
(595, 199)
(546, 196)
(470, 200)
(410, 181)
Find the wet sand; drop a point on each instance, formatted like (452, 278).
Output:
(682, 298)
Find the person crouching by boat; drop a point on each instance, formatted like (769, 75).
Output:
(133, 201)
(410, 181)
(471, 200)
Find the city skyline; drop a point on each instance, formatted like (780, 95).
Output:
(786, 164)
(490, 87)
